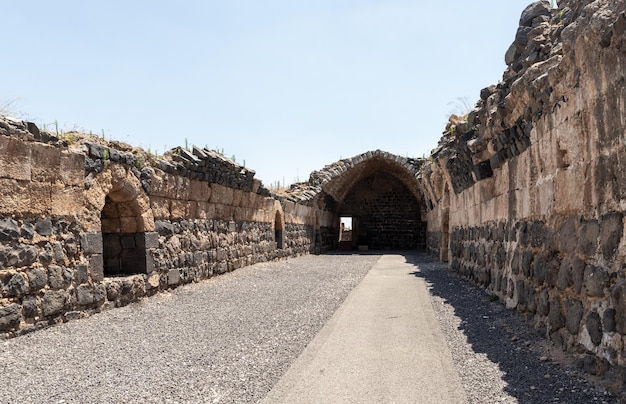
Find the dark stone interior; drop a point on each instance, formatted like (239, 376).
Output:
(385, 214)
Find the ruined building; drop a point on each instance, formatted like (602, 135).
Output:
(524, 196)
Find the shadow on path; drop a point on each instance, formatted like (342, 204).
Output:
(505, 338)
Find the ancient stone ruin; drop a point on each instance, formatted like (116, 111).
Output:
(525, 196)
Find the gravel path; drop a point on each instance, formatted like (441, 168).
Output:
(229, 339)
(500, 358)
(225, 340)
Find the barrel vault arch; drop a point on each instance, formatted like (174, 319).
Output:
(380, 192)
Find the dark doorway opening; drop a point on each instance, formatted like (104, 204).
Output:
(123, 238)
(279, 236)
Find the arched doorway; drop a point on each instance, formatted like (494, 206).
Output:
(125, 221)
(384, 214)
(279, 235)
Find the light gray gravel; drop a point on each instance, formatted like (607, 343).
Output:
(225, 340)
(229, 340)
(499, 356)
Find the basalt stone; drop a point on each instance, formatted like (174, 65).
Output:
(568, 237)
(27, 231)
(588, 240)
(619, 302)
(163, 228)
(545, 268)
(54, 302)
(521, 293)
(30, 306)
(595, 280)
(611, 229)
(10, 317)
(594, 327)
(577, 269)
(26, 255)
(564, 277)
(37, 278)
(608, 319)
(543, 303)
(556, 319)
(538, 234)
(81, 274)
(527, 262)
(17, 285)
(91, 243)
(9, 230)
(99, 293)
(44, 227)
(59, 277)
(574, 313)
(84, 295)
(59, 252)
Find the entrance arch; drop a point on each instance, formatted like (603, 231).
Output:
(125, 221)
(381, 194)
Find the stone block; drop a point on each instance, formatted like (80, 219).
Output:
(37, 279)
(199, 191)
(221, 195)
(30, 307)
(611, 229)
(150, 239)
(160, 207)
(40, 198)
(15, 161)
(47, 163)
(179, 209)
(183, 188)
(543, 303)
(556, 319)
(84, 295)
(9, 230)
(81, 274)
(15, 196)
(17, 285)
(67, 201)
(54, 302)
(59, 277)
(72, 171)
(96, 268)
(568, 235)
(596, 279)
(594, 327)
(608, 319)
(173, 277)
(91, 243)
(573, 315)
(10, 317)
(588, 239)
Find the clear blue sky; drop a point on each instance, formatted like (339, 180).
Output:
(286, 85)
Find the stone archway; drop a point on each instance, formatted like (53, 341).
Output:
(119, 210)
(279, 227)
(381, 194)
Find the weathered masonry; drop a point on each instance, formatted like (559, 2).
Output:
(528, 192)
(87, 224)
(525, 196)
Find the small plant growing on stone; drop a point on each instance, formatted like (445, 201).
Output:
(105, 157)
(493, 297)
(139, 163)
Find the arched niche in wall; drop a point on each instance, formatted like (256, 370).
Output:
(384, 201)
(279, 227)
(125, 221)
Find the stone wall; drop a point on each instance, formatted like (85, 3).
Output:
(87, 224)
(388, 214)
(526, 194)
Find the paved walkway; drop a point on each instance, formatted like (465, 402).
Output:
(383, 345)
